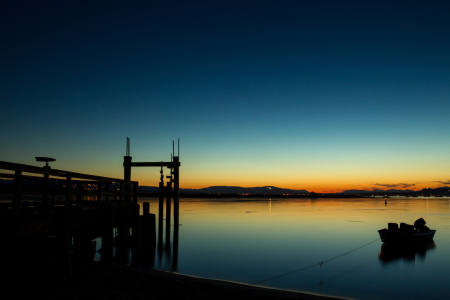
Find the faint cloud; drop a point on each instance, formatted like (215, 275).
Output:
(398, 185)
(443, 182)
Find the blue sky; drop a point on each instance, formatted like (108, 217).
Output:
(321, 95)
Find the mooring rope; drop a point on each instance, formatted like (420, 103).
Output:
(316, 264)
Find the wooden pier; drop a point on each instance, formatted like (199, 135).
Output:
(62, 212)
(50, 219)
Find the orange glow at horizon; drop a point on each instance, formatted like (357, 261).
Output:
(311, 186)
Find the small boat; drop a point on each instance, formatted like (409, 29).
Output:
(398, 237)
(407, 235)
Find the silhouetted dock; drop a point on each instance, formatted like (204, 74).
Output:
(54, 216)
(50, 219)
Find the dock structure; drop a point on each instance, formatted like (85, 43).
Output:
(60, 213)
(163, 191)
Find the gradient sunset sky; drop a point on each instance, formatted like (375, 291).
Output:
(316, 95)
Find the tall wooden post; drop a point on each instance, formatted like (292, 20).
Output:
(168, 213)
(168, 203)
(160, 216)
(161, 201)
(176, 209)
(176, 188)
(127, 175)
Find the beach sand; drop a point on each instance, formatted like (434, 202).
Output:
(109, 281)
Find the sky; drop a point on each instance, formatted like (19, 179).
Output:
(318, 95)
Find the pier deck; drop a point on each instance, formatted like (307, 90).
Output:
(60, 213)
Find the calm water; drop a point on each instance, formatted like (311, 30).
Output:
(281, 243)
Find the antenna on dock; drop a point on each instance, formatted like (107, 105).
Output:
(46, 159)
(128, 146)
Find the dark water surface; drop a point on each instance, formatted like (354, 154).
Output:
(318, 246)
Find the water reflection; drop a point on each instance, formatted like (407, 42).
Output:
(220, 240)
(167, 248)
(389, 253)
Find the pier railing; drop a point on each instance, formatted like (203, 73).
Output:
(43, 188)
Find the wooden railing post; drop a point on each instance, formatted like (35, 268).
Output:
(17, 189)
(79, 194)
(107, 191)
(67, 194)
(99, 190)
(44, 200)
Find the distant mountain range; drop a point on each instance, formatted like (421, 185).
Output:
(270, 190)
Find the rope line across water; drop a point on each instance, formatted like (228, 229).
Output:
(316, 264)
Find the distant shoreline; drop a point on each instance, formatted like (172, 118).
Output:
(268, 196)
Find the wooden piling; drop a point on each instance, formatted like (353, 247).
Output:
(147, 239)
(136, 235)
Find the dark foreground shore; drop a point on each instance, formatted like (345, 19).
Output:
(107, 281)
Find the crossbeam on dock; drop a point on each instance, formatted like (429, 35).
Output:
(155, 164)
